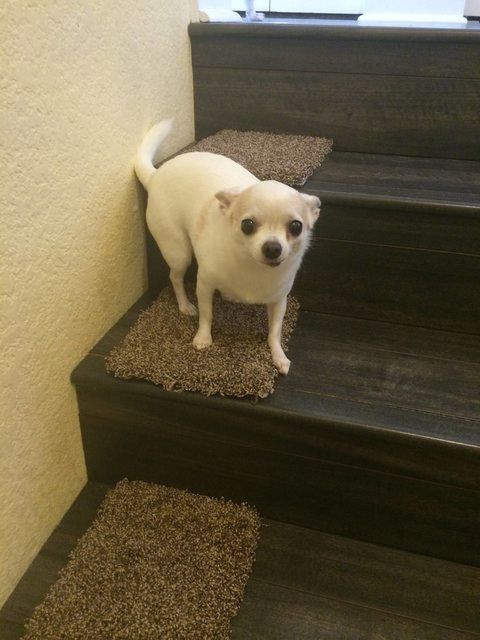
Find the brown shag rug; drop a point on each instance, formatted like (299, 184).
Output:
(159, 348)
(290, 159)
(157, 563)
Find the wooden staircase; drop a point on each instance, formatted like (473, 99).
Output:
(374, 435)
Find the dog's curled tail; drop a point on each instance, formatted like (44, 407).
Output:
(151, 142)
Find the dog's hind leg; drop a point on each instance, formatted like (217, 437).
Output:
(177, 279)
(177, 252)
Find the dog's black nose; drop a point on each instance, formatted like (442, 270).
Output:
(272, 249)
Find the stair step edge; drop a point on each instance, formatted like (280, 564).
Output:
(398, 203)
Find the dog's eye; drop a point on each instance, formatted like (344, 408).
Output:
(248, 226)
(295, 227)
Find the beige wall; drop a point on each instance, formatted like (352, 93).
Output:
(82, 82)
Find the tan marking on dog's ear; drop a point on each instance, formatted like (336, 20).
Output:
(227, 197)
(313, 204)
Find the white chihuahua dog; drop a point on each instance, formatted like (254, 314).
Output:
(248, 237)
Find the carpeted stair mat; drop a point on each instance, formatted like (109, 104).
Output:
(156, 564)
(290, 159)
(159, 348)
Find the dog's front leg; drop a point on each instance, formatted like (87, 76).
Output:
(203, 337)
(276, 313)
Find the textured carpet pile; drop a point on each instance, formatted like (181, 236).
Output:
(159, 348)
(290, 159)
(157, 563)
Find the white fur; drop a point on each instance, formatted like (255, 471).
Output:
(196, 204)
(250, 12)
(150, 144)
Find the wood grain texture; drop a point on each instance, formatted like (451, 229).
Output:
(404, 115)
(415, 287)
(335, 54)
(270, 612)
(406, 183)
(305, 584)
(410, 257)
(340, 364)
(366, 575)
(423, 517)
(379, 423)
(362, 393)
(445, 232)
(324, 432)
(348, 30)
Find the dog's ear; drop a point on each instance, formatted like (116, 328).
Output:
(227, 197)
(313, 207)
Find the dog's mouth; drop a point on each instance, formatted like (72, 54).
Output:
(272, 263)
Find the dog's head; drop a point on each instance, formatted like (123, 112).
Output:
(271, 221)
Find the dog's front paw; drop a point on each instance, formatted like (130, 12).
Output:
(188, 309)
(283, 364)
(202, 341)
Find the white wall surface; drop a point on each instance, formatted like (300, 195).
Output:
(81, 83)
(471, 7)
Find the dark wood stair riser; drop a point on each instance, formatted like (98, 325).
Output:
(303, 424)
(336, 50)
(418, 288)
(327, 81)
(160, 442)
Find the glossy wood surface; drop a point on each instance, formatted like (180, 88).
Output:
(305, 584)
(413, 92)
(374, 423)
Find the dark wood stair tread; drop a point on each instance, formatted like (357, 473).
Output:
(400, 182)
(358, 384)
(373, 435)
(305, 584)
